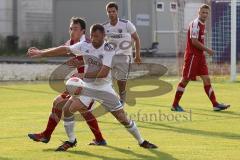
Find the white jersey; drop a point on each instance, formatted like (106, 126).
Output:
(120, 36)
(94, 59)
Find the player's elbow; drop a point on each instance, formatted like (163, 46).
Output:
(135, 36)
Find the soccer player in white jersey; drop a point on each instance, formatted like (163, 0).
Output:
(99, 86)
(77, 30)
(120, 33)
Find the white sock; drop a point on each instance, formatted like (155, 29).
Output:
(132, 128)
(69, 128)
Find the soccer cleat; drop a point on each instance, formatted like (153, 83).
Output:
(66, 145)
(148, 145)
(221, 107)
(177, 109)
(39, 137)
(98, 143)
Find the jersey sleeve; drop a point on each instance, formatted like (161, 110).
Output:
(130, 27)
(76, 49)
(194, 30)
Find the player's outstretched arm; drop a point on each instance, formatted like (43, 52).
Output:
(53, 52)
(75, 62)
(200, 46)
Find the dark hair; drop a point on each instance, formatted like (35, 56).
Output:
(80, 21)
(111, 5)
(97, 27)
(205, 6)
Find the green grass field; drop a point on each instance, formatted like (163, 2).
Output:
(199, 134)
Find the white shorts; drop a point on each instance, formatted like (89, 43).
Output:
(121, 66)
(103, 94)
(87, 101)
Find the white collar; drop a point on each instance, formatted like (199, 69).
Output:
(115, 24)
(99, 47)
(83, 38)
(200, 21)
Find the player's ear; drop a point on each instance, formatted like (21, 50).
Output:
(84, 31)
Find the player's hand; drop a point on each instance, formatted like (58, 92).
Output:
(210, 52)
(33, 52)
(137, 60)
(74, 63)
(79, 75)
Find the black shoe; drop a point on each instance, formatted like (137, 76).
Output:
(66, 145)
(98, 143)
(39, 137)
(148, 145)
(221, 107)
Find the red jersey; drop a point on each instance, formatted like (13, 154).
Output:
(80, 58)
(196, 30)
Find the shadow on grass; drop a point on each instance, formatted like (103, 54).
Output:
(5, 158)
(165, 127)
(224, 135)
(224, 113)
(156, 154)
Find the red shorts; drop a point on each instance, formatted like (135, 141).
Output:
(194, 66)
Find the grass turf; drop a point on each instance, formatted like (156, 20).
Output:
(198, 134)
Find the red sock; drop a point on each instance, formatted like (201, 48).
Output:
(93, 125)
(53, 120)
(179, 93)
(210, 93)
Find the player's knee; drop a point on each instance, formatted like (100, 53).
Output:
(67, 111)
(121, 117)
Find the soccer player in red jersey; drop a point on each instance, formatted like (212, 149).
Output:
(77, 34)
(195, 61)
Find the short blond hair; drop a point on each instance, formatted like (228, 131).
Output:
(204, 6)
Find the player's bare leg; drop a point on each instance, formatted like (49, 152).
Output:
(90, 119)
(53, 120)
(72, 106)
(131, 126)
(211, 95)
(178, 95)
(122, 90)
(69, 127)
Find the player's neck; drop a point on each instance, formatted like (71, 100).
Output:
(114, 22)
(76, 40)
(201, 21)
(97, 45)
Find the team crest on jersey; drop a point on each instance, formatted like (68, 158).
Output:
(100, 56)
(119, 30)
(108, 47)
(87, 51)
